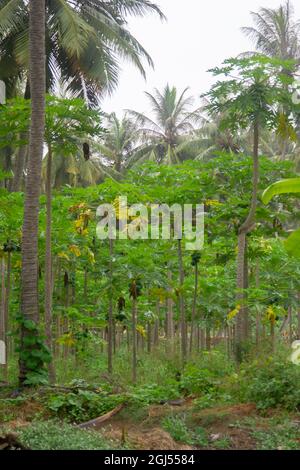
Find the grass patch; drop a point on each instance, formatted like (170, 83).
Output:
(50, 435)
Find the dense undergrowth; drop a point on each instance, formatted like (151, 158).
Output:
(209, 381)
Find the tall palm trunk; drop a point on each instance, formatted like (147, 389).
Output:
(242, 321)
(29, 279)
(48, 263)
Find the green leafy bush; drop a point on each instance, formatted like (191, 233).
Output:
(210, 400)
(196, 380)
(273, 383)
(82, 405)
(207, 375)
(152, 393)
(61, 436)
(177, 428)
(284, 436)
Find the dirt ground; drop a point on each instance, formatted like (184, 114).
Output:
(148, 434)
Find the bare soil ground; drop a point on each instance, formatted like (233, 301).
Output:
(148, 434)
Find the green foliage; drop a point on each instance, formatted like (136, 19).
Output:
(33, 353)
(9, 408)
(196, 380)
(281, 187)
(273, 383)
(280, 436)
(178, 430)
(205, 376)
(82, 405)
(250, 93)
(213, 399)
(176, 426)
(288, 186)
(84, 40)
(52, 435)
(153, 393)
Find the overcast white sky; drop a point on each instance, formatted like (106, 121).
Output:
(198, 35)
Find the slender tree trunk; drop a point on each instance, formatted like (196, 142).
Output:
(110, 310)
(257, 319)
(298, 318)
(241, 333)
(149, 333)
(85, 285)
(3, 325)
(194, 308)
(246, 325)
(170, 318)
(181, 305)
(48, 264)
(134, 340)
(208, 338)
(290, 325)
(29, 278)
(272, 334)
(156, 325)
(6, 304)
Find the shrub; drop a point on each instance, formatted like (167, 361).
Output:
(196, 380)
(207, 374)
(178, 430)
(61, 436)
(273, 383)
(152, 393)
(82, 405)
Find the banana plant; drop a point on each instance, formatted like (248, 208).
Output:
(288, 186)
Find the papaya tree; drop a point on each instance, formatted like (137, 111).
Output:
(254, 94)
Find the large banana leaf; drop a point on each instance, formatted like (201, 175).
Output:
(292, 244)
(287, 186)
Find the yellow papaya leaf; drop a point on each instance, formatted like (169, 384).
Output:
(213, 203)
(141, 330)
(91, 256)
(66, 340)
(75, 250)
(271, 314)
(63, 255)
(233, 313)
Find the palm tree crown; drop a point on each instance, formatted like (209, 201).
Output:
(172, 119)
(276, 33)
(84, 41)
(120, 141)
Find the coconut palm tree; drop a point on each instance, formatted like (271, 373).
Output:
(121, 141)
(84, 41)
(75, 170)
(29, 278)
(275, 32)
(173, 119)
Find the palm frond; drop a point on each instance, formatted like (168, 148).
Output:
(11, 16)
